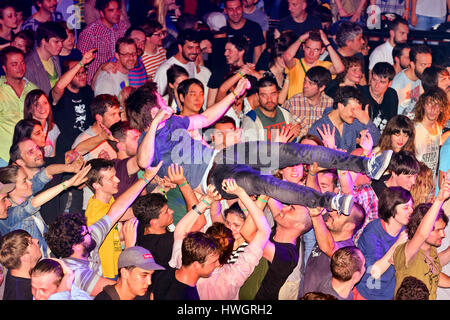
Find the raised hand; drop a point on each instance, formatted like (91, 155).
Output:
(176, 174)
(444, 190)
(362, 115)
(327, 136)
(242, 85)
(230, 186)
(212, 193)
(79, 177)
(366, 141)
(129, 231)
(284, 135)
(76, 165)
(88, 56)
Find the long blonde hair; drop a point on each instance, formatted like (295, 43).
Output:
(424, 186)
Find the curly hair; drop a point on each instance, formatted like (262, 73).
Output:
(412, 288)
(424, 184)
(419, 212)
(65, 232)
(435, 95)
(224, 238)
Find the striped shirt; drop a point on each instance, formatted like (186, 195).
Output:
(152, 62)
(305, 112)
(136, 76)
(97, 35)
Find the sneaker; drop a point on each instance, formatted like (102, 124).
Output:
(342, 203)
(377, 165)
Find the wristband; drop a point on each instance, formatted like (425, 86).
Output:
(146, 181)
(194, 207)
(161, 190)
(82, 65)
(244, 210)
(183, 184)
(240, 74)
(234, 94)
(262, 200)
(206, 202)
(328, 45)
(64, 185)
(300, 40)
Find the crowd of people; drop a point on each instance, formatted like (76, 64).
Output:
(223, 150)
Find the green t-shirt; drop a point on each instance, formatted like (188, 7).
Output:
(274, 123)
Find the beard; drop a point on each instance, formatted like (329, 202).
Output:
(87, 249)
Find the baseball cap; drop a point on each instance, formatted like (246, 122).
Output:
(138, 257)
(216, 20)
(6, 187)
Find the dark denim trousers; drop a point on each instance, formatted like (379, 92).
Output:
(249, 164)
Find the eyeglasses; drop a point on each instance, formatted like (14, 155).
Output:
(129, 55)
(87, 232)
(160, 34)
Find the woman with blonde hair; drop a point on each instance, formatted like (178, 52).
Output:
(422, 191)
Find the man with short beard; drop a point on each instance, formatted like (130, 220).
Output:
(259, 123)
(398, 34)
(407, 83)
(400, 56)
(188, 50)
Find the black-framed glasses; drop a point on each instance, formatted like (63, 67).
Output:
(87, 232)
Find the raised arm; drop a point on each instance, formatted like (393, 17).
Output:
(323, 236)
(216, 111)
(124, 201)
(291, 52)
(247, 69)
(67, 77)
(47, 195)
(337, 66)
(146, 149)
(427, 224)
(184, 226)
(255, 213)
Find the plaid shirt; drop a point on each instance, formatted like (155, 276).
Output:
(305, 112)
(97, 35)
(366, 197)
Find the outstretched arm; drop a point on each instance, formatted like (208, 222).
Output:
(124, 201)
(427, 223)
(146, 149)
(184, 226)
(323, 236)
(214, 112)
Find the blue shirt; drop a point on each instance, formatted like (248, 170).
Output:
(350, 132)
(173, 144)
(374, 243)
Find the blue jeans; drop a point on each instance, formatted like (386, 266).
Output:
(245, 162)
(425, 23)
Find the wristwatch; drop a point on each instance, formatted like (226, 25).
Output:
(196, 209)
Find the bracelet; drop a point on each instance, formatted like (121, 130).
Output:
(312, 174)
(234, 94)
(82, 65)
(262, 200)
(161, 190)
(183, 184)
(328, 45)
(206, 202)
(146, 181)
(244, 210)
(240, 74)
(300, 40)
(64, 185)
(196, 209)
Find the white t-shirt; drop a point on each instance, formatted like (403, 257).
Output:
(161, 72)
(427, 147)
(431, 8)
(110, 83)
(382, 53)
(408, 92)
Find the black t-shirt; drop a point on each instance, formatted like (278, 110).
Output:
(380, 114)
(253, 32)
(17, 288)
(379, 185)
(311, 22)
(73, 115)
(332, 87)
(283, 263)
(160, 245)
(166, 287)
